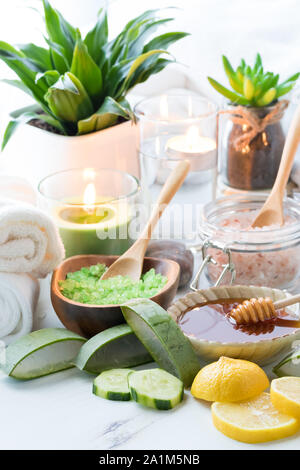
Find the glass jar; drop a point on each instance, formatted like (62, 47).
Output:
(262, 257)
(171, 128)
(253, 165)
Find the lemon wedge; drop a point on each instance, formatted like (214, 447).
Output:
(253, 421)
(285, 395)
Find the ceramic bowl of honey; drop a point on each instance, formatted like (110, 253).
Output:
(204, 318)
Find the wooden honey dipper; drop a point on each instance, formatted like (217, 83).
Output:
(258, 310)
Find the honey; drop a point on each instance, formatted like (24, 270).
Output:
(212, 322)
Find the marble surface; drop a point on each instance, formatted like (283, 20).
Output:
(60, 412)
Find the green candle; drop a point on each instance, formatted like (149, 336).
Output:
(94, 228)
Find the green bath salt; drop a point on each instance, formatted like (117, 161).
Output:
(85, 286)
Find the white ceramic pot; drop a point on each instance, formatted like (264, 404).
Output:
(34, 153)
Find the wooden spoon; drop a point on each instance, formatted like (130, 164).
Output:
(131, 262)
(272, 210)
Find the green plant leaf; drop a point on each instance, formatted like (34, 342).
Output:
(97, 37)
(59, 30)
(39, 55)
(234, 81)
(25, 118)
(85, 69)
(258, 63)
(18, 84)
(14, 59)
(137, 63)
(143, 31)
(164, 41)
(284, 89)
(233, 97)
(68, 100)
(293, 78)
(50, 77)
(58, 57)
(106, 116)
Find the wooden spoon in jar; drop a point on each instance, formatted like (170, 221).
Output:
(131, 262)
(272, 211)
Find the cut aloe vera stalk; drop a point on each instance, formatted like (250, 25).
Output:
(163, 338)
(113, 385)
(41, 353)
(155, 388)
(289, 366)
(115, 347)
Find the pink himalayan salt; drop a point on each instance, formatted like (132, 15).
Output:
(265, 268)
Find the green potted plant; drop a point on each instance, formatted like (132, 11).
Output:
(81, 116)
(252, 140)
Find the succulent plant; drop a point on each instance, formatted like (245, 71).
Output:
(80, 84)
(251, 86)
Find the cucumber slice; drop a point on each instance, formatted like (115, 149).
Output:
(156, 388)
(289, 366)
(163, 338)
(115, 347)
(113, 385)
(42, 352)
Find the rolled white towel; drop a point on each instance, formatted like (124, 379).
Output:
(29, 240)
(18, 299)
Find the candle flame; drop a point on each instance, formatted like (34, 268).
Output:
(163, 107)
(89, 196)
(192, 137)
(89, 174)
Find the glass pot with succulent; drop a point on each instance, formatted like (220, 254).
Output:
(252, 139)
(80, 83)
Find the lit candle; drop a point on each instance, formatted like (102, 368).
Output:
(91, 224)
(191, 145)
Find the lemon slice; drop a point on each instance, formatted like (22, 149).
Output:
(285, 395)
(253, 421)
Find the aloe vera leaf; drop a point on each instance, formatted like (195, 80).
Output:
(293, 78)
(68, 99)
(86, 70)
(233, 97)
(106, 116)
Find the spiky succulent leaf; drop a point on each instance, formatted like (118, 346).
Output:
(252, 86)
(68, 99)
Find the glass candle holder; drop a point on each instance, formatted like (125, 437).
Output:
(92, 208)
(171, 128)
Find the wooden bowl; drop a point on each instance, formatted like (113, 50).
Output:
(87, 320)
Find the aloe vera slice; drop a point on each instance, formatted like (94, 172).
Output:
(42, 352)
(289, 366)
(116, 347)
(163, 338)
